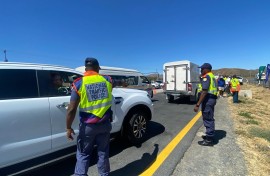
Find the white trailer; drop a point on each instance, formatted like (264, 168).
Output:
(181, 79)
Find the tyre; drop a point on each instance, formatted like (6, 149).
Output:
(136, 128)
(194, 98)
(170, 98)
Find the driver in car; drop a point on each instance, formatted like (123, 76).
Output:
(56, 85)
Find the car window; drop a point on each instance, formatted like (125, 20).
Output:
(18, 83)
(124, 81)
(56, 83)
(145, 80)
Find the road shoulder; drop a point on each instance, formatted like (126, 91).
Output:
(225, 158)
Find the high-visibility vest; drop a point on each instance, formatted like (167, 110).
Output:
(235, 85)
(212, 88)
(95, 95)
(199, 88)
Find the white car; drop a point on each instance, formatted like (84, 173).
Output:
(157, 84)
(32, 117)
(240, 79)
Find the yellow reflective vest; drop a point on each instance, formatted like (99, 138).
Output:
(199, 87)
(95, 95)
(212, 87)
(235, 86)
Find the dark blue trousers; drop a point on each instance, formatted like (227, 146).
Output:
(208, 107)
(90, 135)
(235, 97)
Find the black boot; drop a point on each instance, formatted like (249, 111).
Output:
(208, 141)
(204, 137)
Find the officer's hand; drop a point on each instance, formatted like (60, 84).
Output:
(69, 134)
(196, 108)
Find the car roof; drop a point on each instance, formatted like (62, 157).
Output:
(36, 66)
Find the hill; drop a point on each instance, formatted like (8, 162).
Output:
(237, 71)
(223, 71)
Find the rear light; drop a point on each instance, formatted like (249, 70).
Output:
(189, 87)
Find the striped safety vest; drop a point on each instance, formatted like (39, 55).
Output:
(234, 84)
(199, 88)
(95, 95)
(212, 88)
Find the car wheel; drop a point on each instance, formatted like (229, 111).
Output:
(137, 127)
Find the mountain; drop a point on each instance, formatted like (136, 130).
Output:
(236, 71)
(223, 71)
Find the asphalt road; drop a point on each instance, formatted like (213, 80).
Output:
(168, 121)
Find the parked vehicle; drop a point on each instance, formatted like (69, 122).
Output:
(123, 77)
(240, 79)
(181, 79)
(32, 117)
(157, 84)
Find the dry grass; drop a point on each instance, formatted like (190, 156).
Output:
(251, 123)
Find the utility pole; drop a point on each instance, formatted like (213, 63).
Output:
(5, 51)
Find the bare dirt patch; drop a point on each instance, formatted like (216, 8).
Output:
(251, 124)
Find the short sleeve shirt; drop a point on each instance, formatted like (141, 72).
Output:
(206, 82)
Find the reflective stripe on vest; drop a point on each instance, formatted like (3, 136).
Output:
(212, 87)
(95, 95)
(96, 106)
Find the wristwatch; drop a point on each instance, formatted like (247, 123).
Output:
(197, 105)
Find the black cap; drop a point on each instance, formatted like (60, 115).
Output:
(91, 62)
(206, 66)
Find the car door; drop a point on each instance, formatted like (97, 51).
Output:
(25, 130)
(58, 103)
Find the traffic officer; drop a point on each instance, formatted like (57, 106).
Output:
(234, 88)
(93, 94)
(208, 101)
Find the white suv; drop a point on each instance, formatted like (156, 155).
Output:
(32, 116)
(240, 79)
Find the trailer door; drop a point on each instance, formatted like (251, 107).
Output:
(176, 77)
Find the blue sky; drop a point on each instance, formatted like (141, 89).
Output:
(137, 34)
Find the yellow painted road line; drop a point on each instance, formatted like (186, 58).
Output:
(170, 147)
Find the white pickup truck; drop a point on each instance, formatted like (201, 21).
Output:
(32, 119)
